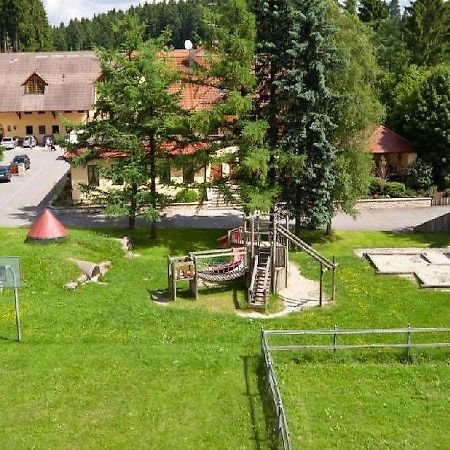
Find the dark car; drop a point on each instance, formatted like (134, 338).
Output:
(5, 173)
(22, 159)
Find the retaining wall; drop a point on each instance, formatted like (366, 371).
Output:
(391, 203)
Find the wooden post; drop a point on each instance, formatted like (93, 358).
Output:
(333, 294)
(274, 252)
(321, 285)
(174, 281)
(252, 237)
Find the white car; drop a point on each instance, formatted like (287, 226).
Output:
(29, 141)
(8, 143)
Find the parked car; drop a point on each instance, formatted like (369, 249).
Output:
(46, 138)
(8, 143)
(5, 173)
(22, 159)
(29, 141)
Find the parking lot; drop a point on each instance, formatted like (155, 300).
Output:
(20, 197)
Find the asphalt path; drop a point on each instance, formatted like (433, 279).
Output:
(21, 198)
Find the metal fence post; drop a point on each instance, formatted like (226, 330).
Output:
(334, 338)
(408, 340)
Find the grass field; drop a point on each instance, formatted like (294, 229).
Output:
(104, 367)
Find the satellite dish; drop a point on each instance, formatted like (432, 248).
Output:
(188, 44)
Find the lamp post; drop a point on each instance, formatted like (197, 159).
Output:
(12, 282)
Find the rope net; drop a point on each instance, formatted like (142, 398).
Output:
(224, 267)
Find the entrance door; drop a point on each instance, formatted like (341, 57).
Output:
(29, 129)
(216, 171)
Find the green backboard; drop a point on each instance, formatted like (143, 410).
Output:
(9, 272)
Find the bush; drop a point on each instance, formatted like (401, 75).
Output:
(374, 186)
(420, 175)
(394, 189)
(186, 196)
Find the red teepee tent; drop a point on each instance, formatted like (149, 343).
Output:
(47, 228)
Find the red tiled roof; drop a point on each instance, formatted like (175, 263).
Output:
(176, 149)
(47, 228)
(386, 141)
(172, 148)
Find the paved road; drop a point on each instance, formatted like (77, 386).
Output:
(20, 198)
(23, 197)
(368, 220)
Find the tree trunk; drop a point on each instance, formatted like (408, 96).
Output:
(132, 209)
(298, 224)
(153, 183)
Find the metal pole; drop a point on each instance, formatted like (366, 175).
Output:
(408, 340)
(335, 338)
(16, 303)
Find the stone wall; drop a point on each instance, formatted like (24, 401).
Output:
(391, 203)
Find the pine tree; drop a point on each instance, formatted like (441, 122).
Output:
(307, 144)
(427, 31)
(372, 11)
(24, 26)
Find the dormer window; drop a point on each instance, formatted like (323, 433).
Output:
(34, 85)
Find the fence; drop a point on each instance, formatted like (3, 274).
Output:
(282, 426)
(438, 224)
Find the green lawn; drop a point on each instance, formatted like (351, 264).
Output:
(104, 367)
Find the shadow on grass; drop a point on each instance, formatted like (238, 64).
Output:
(264, 436)
(178, 241)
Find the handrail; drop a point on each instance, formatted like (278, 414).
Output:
(266, 277)
(253, 280)
(304, 246)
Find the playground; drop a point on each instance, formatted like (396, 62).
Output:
(103, 366)
(257, 253)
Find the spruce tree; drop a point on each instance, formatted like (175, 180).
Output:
(307, 144)
(372, 11)
(427, 31)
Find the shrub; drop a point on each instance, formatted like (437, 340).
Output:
(420, 175)
(374, 186)
(186, 196)
(394, 189)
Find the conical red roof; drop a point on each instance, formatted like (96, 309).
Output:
(47, 228)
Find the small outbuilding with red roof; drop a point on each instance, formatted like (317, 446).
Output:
(395, 149)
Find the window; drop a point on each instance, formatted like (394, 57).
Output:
(29, 129)
(41, 112)
(41, 129)
(55, 129)
(8, 128)
(188, 173)
(28, 112)
(93, 175)
(35, 85)
(164, 172)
